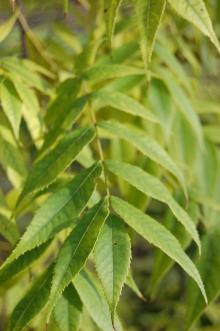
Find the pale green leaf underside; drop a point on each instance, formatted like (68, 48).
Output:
(146, 145)
(67, 312)
(59, 211)
(148, 17)
(112, 258)
(158, 235)
(154, 188)
(94, 300)
(45, 171)
(76, 249)
(196, 13)
(32, 303)
(123, 102)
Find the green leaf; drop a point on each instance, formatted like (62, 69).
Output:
(196, 13)
(11, 156)
(46, 170)
(157, 235)
(23, 261)
(162, 263)
(11, 105)
(130, 282)
(110, 71)
(32, 303)
(146, 145)
(209, 267)
(111, 11)
(94, 300)
(59, 211)
(6, 27)
(112, 258)
(154, 188)
(9, 230)
(64, 121)
(123, 102)
(149, 14)
(66, 95)
(17, 69)
(77, 248)
(66, 314)
(30, 109)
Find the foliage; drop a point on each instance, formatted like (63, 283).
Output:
(109, 147)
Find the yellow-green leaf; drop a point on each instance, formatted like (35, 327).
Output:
(195, 12)
(153, 187)
(157, 235)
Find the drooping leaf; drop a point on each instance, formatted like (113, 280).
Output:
(11, 104)
(130, 282)
(59, 211)
(67, 312)
(23, 261)
(9, 230)
(149, 14)
(123, 102)
(77, 248)
(94, 300)
(17, 69)
(32, 303)
(162, 263)
(154, 188)
(196, 13)
(110, 71)
(209, 267)
(6, 27)
(145, 144)
(45, 170)
(112, 258)
(111, 11)
(158, 235)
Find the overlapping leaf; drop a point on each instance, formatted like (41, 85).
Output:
(111, 10)
(112, 258)
(154, 188)
(196, 13)
(15, 267)
(77, 248)
(145, 144)
(45, 171)
(94, 300)
(11, 104)
(59, 211)
(32, 303)
(123, 102)
(67, 312)
(148, 17)
(158, 235)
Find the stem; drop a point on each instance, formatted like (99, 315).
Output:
(99, 146)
